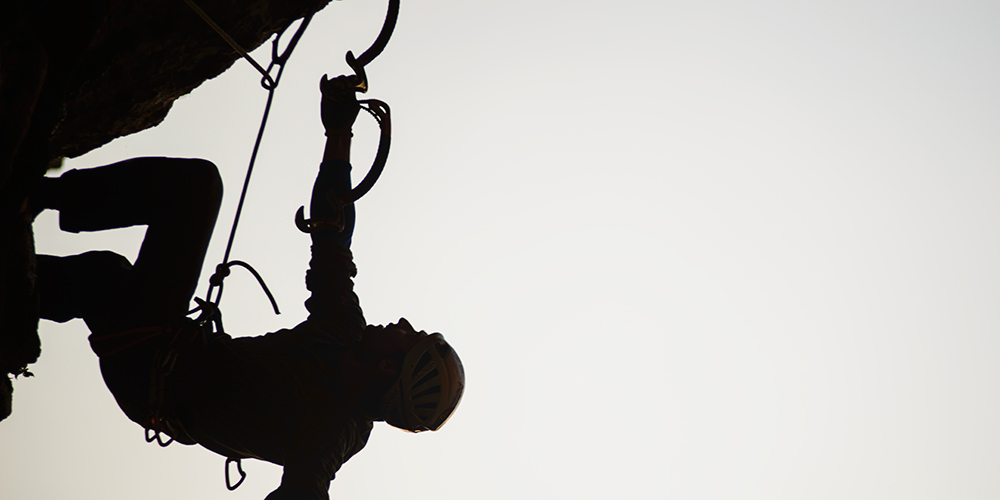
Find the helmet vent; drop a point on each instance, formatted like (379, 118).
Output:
(433, 390)
(422, 362)
(430, 385)
(433, 373)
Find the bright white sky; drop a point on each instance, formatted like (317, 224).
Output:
(692, 250)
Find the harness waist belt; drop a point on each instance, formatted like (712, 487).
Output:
(109, 344)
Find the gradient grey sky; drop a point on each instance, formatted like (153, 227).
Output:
(691, 250)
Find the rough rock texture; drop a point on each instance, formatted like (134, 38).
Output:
(76, 74)
(141, 56)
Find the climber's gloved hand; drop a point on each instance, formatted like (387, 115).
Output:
(340, 104)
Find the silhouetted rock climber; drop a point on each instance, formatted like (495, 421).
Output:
(304, 398)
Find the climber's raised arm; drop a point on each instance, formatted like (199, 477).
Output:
(333, 303)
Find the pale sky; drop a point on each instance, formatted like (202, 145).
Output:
(686, 250)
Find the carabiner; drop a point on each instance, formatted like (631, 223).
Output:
(239, 468)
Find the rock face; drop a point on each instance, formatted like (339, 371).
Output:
(76, 74)
(122, 64)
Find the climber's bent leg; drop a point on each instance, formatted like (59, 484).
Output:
(88, 286)
(177, 198)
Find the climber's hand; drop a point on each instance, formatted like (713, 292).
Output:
(340, 104)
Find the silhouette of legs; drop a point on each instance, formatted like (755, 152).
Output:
(177, 198)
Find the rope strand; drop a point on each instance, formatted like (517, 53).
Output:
(270, 84)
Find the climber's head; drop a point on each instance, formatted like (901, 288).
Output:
(428, 378)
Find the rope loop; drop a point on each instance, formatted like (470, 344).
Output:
(221, 271)
(248, 267)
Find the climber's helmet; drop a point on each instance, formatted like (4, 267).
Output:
(430, 385)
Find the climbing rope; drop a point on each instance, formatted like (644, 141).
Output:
(377, 108)
(269, 83)
(210, 315)
(163, 364)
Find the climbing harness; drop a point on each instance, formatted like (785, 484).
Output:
(209, 322)
(159, 420)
